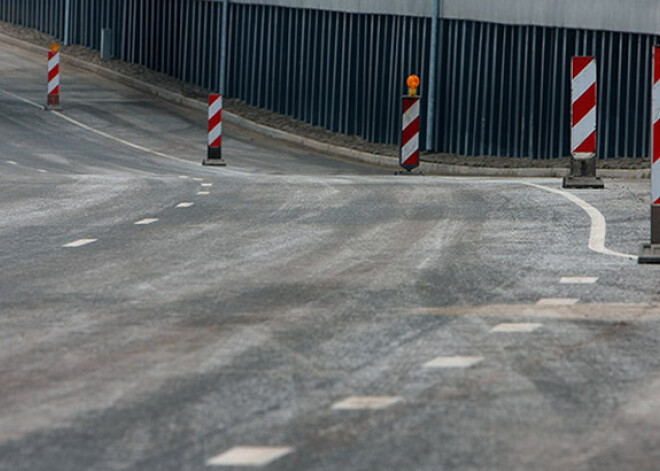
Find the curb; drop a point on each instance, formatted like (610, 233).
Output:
(344, 152)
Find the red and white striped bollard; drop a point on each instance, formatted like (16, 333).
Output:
(53, 102)
(651, 252)
(214, 155)
(409, 153)
(584, 113)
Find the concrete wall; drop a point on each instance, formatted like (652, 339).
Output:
(637, 16)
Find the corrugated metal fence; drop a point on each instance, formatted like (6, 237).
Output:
(501, 90)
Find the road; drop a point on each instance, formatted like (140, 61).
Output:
(156, 314)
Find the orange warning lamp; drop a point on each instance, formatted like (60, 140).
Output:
(54, 47)
(413, 84)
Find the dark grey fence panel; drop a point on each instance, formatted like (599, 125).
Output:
(501, 89)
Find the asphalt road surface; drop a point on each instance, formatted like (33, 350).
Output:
(296, 312)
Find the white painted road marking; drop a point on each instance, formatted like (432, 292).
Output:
(453, 362)
(42, 170)
(203, 192)
(96, 131)
(366, 403)
(578, 280)
(523, 328)
(198, 179)
(144, 222)
(249, 456)
(12, 162)
(207, 184)
(184, 205)
(79, 243)
(557, 302)
(598, 224)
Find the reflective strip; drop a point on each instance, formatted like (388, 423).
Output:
(655, 184)
(584, 129)
(214, 135)
(53, 61)
(410, 115)
(584, 81)
(410, 148)
(53, 85)
(215, 107)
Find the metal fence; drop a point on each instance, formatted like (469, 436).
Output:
(501, 90)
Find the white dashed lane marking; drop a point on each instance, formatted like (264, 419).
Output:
(578, 280)
(79, 243)
(41, 170)
(144, 222)
(203, 192)
(249, 456)
(557, 302)
(184, 205)
(366, 403)
(12, 162)
(206, 185)
(522, 328)
(198, 179)
(453, 362)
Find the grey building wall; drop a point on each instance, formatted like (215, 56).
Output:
(635, 16)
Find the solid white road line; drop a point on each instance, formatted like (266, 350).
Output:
(521, 328)
(144, 222)
(453, 362)
(598, 224)
(249, 456)
(578, 280)
(96, 131)
(366, 403)
(79, 243)
(557, 302)
(184, 205)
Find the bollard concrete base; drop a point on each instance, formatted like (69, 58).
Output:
(414, 174)
(650, 254)
(53, 103)
(583, 173)
(214, 157)
(583, 183)
(214, 162)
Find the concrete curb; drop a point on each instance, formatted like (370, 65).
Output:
(344, 152)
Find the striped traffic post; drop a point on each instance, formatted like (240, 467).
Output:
(651, 252)
(214, 154)
(409, 152)
(584, 112)
(53, 102)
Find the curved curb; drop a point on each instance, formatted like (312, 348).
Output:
(344, 152)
